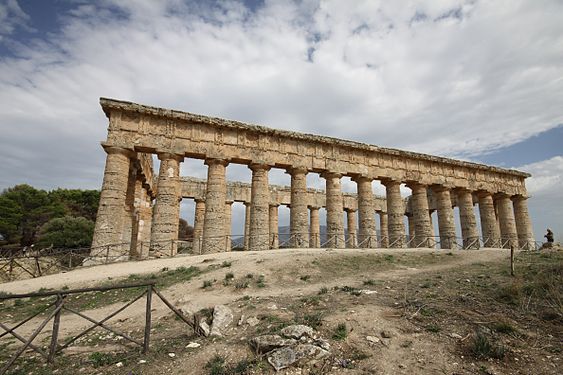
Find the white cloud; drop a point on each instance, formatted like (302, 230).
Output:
(449, 77)
(546, 200)
(11, 17)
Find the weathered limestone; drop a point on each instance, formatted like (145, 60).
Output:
(198, 225)
(446, 223)
(228, 219)
(432, 241)
(395, 213)
(246, 225)
(299, 215)
(507, 223)
(421, 217)
(489, 228)
(214, 223)
(351, 224)
(259, 208)
(111, 211)
(366, 211)
(166, 212)
(384, 227)
(274, 226)
(523, 223)
(468, 223)
(136, 132)
(334, 210)
(314, 228)
(411, 231)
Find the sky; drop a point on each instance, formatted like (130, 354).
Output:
(472, 80)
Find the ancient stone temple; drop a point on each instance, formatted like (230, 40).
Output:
(138, 208)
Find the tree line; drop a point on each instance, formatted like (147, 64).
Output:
(62, 218)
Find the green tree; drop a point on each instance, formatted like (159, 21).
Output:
(23, 209)
(66, 232)
(75, 202)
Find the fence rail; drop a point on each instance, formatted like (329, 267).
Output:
(60, 304)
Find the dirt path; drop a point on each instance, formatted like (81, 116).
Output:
(281, 269)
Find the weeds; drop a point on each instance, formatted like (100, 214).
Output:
(305, 277)
(483, 348)
(260, 282)
(340, 333)
(207, 284)
(503, 327)
(226, 264)
(324, 290)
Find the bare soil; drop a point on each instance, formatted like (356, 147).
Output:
(431, 312)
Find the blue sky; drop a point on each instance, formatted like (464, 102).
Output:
(475, 80)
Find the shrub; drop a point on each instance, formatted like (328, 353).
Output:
(340, 332)
(66, 232)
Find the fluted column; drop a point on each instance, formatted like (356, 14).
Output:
(215, 197)
(384, 227)
(274, 226)
(351, 223)
(432, 239)
(446, 223)
(489, 227)
(259, 208)
(228, 218)
(166, 212)
(468, 223)
(523, 223)
(199, 218)
(420, 216)
(411, 231)
(136, 231)
(129, 220)
(246, 225)
(395, 213)
(366, 213)
(111, 210)
(334, 210)
(506, 220)
(298, 214)
(314, 228)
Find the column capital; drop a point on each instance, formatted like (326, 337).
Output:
(313, 207)
(519, 197)
(199, 200)
(500, 195)
(168, 156)
(246, 204)
(350, 209)
(462, 190)
(362, 178)
(415, 185)
(297, 170)
(440, 188)
(483, 193)
(329, 174)
(390, 182)
(259, 166)
(213, 161)
(119, 150)
(274, 204)
(229, 202)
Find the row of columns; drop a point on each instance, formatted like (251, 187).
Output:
(213, 215)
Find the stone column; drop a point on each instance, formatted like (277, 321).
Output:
(351, 221)
(366, 213)
(274, 226)
(432, 239)
(215, 197)
(298, 214)
(145, 224)
(166, 212)
(259, 208)
(489, 227)
(246, 225)
(198, 225)
(136, 231)
(334, 210)
(446, 223)
(508, 232)
(384, 225)
(410, 223)
(228, 217)
(111, 210)
(395, 213)
(523, 223)
(315, 228)
(420, 216)
(130, 218)
(467, 219)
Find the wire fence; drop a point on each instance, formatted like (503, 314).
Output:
(31, 263)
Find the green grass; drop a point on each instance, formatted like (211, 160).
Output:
(340, 332)
(483, 348)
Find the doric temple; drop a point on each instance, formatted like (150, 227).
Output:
(138, 208)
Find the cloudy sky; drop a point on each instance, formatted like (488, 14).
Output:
(476, 80)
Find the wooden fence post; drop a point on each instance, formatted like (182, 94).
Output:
(511, 260)
(56, 325)
(146, 342)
